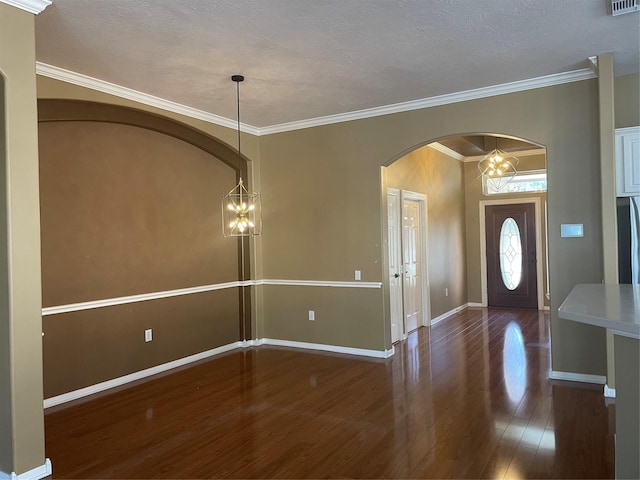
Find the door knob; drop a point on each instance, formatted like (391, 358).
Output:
(397, 275)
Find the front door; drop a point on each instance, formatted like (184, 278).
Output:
(511, 256)
(411, 262)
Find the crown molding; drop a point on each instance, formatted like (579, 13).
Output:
(521, 153)
(447, 151)
(86, 81)
(31, 6)
(502, 89)
(146, 99)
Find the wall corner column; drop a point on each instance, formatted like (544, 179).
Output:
(608, 187)
(21, 388)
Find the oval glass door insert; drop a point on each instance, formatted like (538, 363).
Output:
(510, 254)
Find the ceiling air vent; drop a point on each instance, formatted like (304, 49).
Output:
(618, 7)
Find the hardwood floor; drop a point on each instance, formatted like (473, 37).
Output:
(468, 398)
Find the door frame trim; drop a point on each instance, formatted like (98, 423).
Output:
(483, 243)
(421, 198)
(397, 193)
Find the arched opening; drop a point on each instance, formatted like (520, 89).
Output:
(454, 269)
(132, 243)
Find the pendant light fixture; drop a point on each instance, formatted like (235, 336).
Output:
(498, 167)
(241, 209)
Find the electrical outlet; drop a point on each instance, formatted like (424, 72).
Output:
(312, 315)
(446, 292)
(148, 335)
(358, 275)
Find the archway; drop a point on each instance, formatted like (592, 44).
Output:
(446, 171)
(132, 244)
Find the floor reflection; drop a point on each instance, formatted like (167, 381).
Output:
(466, 398)
(514, 362)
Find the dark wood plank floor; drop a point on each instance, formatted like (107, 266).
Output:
(468, 398)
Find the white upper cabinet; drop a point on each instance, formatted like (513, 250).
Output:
(628, 161)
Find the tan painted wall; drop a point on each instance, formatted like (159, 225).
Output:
(56, 89)
(322, 202)
(51, 88)
(126, 211)
(21, 445)
(6, 425)
(473, 195)
(627, 100)
(440, 177)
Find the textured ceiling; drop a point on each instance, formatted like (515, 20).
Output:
(305, 59)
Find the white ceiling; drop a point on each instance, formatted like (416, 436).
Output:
(305, 59)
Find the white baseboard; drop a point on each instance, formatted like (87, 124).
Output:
(439, 318)
(577, 377)
(329, 348)
(609, 392)
(34, 474)
(116, 382)
(475, 305)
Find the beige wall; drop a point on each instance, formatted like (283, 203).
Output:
(322, 206)
(473, 196)
(51, 88)
(322, 202)
(440, 177)
(6, 424)
(126, 211)
(627, 100)
(21, 415)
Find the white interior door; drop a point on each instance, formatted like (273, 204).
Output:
(395, 264)
(411, 262)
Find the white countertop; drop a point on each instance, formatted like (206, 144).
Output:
(611, 306)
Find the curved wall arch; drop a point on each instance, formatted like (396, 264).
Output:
(130, 205)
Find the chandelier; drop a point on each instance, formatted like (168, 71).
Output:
(241, 209)
(498, 167)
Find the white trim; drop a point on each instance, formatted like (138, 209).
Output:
(439, 318)
(86, 81)
(483, 244)
(146, 99)
(110, 302)
(609, 392)
(399, 333)
(328, 348)
(475, 305)
(37, 473)
(139, 375)
(422, 200)
(620, 333)
(521, 153)
(546, 308)
(519, 86)
(626, 130)
(319, 283)
(593, 64)
(447, 151)
(577, 377)
(132, 377)
(31, 6)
